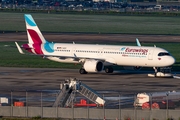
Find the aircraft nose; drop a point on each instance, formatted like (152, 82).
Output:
(171, 61)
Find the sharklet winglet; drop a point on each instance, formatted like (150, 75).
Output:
(138, 43)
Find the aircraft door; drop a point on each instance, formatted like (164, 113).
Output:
(73, 52)
(150, 55)
(100, 52)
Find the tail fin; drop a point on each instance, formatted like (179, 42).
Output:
(34, 34)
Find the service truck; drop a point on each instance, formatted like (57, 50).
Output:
(159, 100)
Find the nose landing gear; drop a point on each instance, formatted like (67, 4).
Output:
(161, 72)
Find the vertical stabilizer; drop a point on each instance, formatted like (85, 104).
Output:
(34, 34)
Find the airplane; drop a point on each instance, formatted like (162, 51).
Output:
(94, 58)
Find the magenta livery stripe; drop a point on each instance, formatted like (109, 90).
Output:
(26, 47)
(35, 37)
(37, 41)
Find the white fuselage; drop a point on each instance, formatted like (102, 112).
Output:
(109, 54)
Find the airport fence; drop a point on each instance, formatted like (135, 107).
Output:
(33, 103)
(89, 113)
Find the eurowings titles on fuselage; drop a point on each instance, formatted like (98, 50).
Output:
(94, 58)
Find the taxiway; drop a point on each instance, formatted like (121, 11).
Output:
(50, 78)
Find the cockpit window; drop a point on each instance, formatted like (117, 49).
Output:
(163, 54)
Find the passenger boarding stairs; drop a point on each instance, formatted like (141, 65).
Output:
(91, 95)
(68, 90)
(63, 95)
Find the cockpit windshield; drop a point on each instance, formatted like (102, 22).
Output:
(163, 54)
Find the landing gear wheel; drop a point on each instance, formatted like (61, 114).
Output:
(109, 70)
(82, 71)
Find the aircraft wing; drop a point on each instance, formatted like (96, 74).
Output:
(80, 59)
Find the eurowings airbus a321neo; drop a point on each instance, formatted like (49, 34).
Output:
(94, 58)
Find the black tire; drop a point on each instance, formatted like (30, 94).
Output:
(109, 70)
(82, 71)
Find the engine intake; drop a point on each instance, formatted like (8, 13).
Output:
(93, 66)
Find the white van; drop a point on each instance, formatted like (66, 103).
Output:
(158, 7)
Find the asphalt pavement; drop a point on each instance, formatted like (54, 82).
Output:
(123, 82)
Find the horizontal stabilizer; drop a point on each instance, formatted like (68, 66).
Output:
(19, 48)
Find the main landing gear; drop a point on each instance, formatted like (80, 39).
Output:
(82, 71)
(109, 69)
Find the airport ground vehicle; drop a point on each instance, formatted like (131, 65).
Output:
(159, 100)
(158, 7)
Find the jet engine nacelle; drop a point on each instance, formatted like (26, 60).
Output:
(93, 66)
(135, 68)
